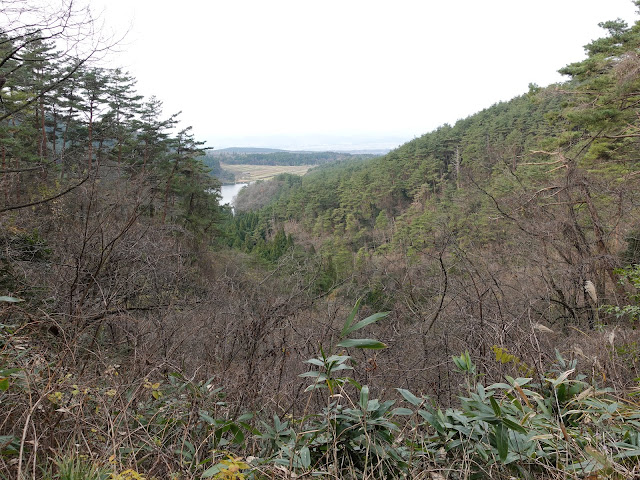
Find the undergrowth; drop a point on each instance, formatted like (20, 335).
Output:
(61, 424)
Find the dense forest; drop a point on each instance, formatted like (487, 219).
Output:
(465, 306)
(215, 169)
(284, 157)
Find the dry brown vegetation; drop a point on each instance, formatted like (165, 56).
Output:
(252, 173)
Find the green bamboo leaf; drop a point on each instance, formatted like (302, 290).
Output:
(361, 343)
(315, 386)
(502, 441)
(11, 299)
(315, 361)
(410, 397)
(207, 418)
(245, 416)
(482, 452)
(354, 383)
(6, 440)
(628, 453)
(210, 472)
(350, 319)
(342, 366)
(305, 457)
(401, 411)
(495, 406)
(514, 426)
(238, 435)
(364, 397)
(496, 386)
(558, 381)
(367, 321)
(433, 421)
(598, 456)
(338, 358)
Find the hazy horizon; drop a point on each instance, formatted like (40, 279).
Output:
(310, 142)
(266, 74)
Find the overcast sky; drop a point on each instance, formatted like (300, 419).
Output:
(293, 73)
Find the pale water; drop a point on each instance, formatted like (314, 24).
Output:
(229, 192)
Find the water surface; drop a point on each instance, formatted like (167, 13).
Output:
(229, 192)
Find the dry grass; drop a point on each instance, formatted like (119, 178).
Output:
(252, 173)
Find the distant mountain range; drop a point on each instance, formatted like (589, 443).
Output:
(356, 143)
(247, 150)
(255, 150)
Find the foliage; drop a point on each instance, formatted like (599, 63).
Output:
(530, 428)
(284, 157)
(229, 469)
(629, 275)
(560, 424)
(329, 364)
(503, 356)
(213, 164)
(78, 468)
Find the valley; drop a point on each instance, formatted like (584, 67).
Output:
(463, 306)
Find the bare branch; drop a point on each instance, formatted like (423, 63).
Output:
(45, 200)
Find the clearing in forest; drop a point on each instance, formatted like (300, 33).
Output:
(251, 173)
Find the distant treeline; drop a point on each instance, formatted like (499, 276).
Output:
(286, 158)
(213, 163)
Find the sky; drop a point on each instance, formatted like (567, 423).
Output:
(344, 74)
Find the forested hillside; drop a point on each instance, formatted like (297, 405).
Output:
(465, 306)
(216, 170)
(283, 157)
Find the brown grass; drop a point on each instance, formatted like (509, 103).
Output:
(252, 173)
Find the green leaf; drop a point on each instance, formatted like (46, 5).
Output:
(207, 418)
(211, 471)
(410, 397)
(6, 440)
(350, 319)
(354, 383)
(628, 453)
(514, 426)
(238, 436)
(496, 386)
(502, 441)
(305, 457)
(558, 381)
(244, 417)
(364, 397)
(372, 405)
(315, 386)
(11, 299)
(315, 361)
(361, 343)
(598, 456)
(401, 411)
(342, 366)
(338, 358)
(367, 321)
(495, 406)
(433, 421)
(482, 452)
